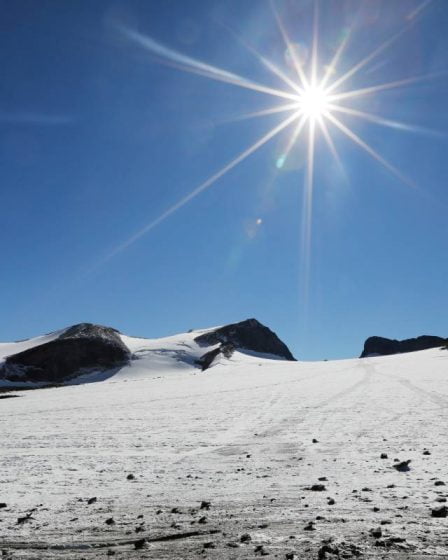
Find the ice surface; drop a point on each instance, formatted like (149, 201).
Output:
(239, 435)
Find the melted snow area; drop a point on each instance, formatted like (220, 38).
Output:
(240, 436)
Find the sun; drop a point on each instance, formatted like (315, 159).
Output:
(314, 103)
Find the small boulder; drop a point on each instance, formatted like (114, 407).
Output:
(327, 551)
(441, 511)
(141, 543)
(317, 488)
(403, 466)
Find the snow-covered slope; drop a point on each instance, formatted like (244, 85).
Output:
(9, 348)
(249, 435)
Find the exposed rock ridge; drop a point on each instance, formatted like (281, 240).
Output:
(207, 359)
(376, 345)
(247, 335)
(78, 349)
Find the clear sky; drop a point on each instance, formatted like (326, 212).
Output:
(103, 130)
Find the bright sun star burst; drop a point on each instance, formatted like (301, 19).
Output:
(314, 101)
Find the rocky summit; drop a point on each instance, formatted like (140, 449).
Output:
(247, 335)
(378, 346)
(78, 349)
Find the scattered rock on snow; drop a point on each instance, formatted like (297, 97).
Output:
(441, 511)
(376, 533)
(310, 526)
(24, 519)
(139, 544)
(317, 488)
(327, 551)
(259, 549)
(403, 466)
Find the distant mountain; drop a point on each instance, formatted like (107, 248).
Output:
(247, 335)
(378, 346)
(86, 352)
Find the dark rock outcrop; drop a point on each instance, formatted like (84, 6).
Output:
(78, 349)
(206, 360)
(376, 345)
(247, 335)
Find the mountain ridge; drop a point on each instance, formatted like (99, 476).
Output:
(88, 352)
(380, 346)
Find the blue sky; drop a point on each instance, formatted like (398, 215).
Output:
(100, 136)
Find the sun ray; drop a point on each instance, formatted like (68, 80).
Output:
(331, 67)
(417, 11)
(357, 140)
(263, 112)
(293, 139)
(385, 122)
(354, 69)
(266, 63)
(314, 45)
(307, 214)
(188, 64)
(330, 144)
(289, 46)
(383, 87)
(295, 134)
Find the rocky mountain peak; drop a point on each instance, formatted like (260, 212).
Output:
(247, 335)
(379, 346)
